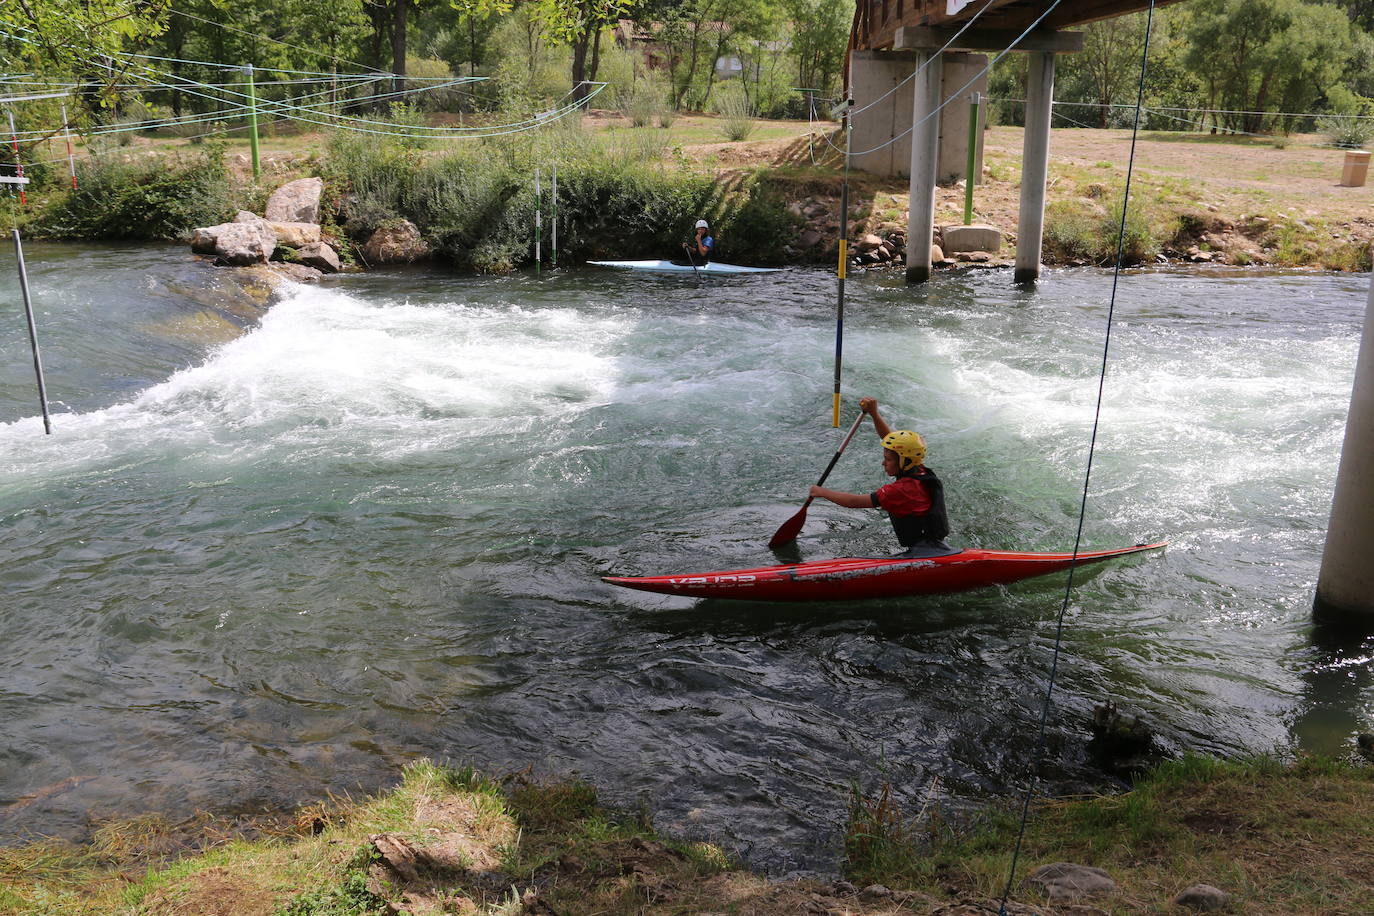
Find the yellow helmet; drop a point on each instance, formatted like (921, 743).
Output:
(910, 448)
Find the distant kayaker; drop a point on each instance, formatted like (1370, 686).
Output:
(699, 249)
(914, 501)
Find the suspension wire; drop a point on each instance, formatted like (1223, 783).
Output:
(1038, 754)
(223, 66)
(433, 132)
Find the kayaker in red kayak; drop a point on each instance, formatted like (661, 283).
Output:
(914, 501)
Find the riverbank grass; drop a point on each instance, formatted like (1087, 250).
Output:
(444, 841)
(1279, 838)
(1293, 838)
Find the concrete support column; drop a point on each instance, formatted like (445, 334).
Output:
(1345, 585)
(963, 75)
(1035, 166)
(925, 143)
(873, 76)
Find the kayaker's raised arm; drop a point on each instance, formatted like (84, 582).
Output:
(870, 407)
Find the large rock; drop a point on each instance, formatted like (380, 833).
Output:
(203, 240)
(977, 237)
(395, 242)
(296, 202)
(867, 242)
(295, 235)
(236, 243)
(1065, 882)
(319, 256)
(301, 273)
(1203, 897)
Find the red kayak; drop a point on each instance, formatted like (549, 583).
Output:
(852, 578)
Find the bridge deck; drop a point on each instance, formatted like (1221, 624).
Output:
(876, 22)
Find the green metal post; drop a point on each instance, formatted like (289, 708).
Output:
(971, 172)
(253, 121)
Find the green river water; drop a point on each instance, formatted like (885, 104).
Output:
(249, 569)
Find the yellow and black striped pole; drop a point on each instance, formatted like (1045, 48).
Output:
(844, 261)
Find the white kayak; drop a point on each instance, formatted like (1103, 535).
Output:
(668, 267)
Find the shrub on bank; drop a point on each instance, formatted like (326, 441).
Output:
(1081, 229)
(476, 205)
(119, 196)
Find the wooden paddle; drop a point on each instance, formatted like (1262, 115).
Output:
(793, 526)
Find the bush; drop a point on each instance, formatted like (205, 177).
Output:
(642, 104)
(152, 198)
(1346, 131)
(1080, 229)
(738, 114)
(475, 205)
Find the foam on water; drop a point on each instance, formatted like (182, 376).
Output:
(372, 528)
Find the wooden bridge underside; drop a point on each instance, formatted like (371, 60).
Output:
(884, 24)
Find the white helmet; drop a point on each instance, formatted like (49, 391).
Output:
(701, 224)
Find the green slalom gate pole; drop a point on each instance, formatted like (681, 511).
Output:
(553, 229)
(538, 222)
(969, 173)
(253, 121)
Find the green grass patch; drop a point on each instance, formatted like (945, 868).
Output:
(1280, 837)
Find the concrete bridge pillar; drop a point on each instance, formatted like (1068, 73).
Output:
(925, 143)
(875, 74)
(1035, 166)
(1345, 585)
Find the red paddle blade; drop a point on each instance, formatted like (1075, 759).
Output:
(789, 530)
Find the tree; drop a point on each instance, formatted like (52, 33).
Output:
(1110, 60)
(1257, 56)
(64, 36)
(820, 33)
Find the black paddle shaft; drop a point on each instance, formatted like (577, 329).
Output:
(838, 452)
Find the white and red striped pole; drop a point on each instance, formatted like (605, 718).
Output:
(71, 159)
(18, 166)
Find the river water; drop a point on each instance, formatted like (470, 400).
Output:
(248, 568)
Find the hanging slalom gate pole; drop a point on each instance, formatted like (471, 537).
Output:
(71, 159)
(538, 221)
(18, 164)
(972, 157)
(553, 242)
(33, 333)
(842, 108)
(253, 120)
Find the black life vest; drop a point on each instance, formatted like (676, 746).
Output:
(934, 524)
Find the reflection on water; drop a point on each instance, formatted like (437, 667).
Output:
(249, 570)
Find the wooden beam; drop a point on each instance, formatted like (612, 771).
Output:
(924, 38)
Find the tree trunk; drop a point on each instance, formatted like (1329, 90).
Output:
(398, 43)
(694, 45)
(579, 68)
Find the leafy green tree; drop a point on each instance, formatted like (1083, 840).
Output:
(820, 33)
(1110, 61)
(1258, 56)
(63, 36)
